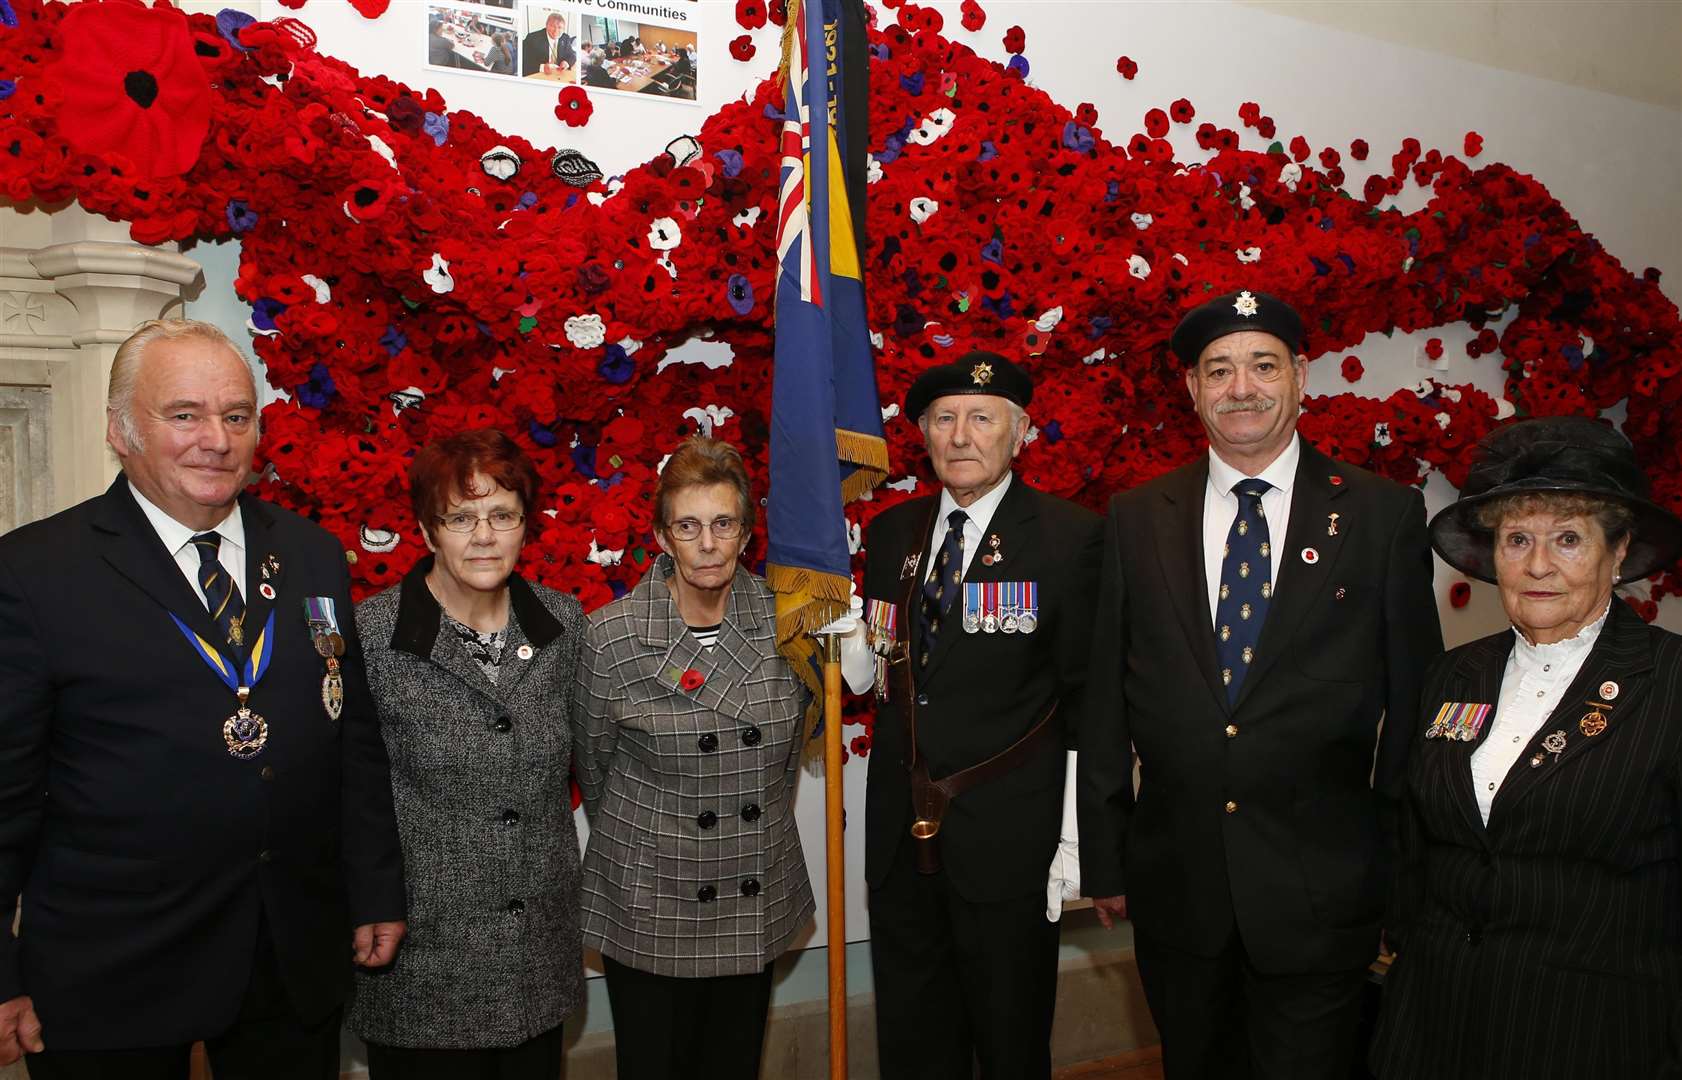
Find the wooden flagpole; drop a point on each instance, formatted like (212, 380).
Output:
(834, 812)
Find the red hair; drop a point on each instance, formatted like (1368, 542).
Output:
(446, 468)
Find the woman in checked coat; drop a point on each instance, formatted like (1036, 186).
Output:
(687, 738)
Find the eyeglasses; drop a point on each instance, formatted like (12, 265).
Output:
(722, 528)
(500, 520)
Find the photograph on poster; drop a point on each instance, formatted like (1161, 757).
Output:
(549, 50)
(636, 58)
(466, 39)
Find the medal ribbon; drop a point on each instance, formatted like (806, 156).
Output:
(233, 675)
(318, 611)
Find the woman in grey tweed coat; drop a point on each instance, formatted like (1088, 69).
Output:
(688, 734)
(471, 668)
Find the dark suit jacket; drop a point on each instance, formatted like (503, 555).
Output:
(983, 691)
(1547, 945)
(143, 851)
(1299, 860)
(534, 51)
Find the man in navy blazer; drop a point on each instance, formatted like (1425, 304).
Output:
(195, 802)
(1265, 615)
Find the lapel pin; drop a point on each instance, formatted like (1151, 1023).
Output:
(1331, 524)
(1593, 721)
(1609, 690)
(1555, 744)
(524, 652)
(1341, 593)
(1310, 556)
(1536, 761)
(997, 556)
(1335, 480)
(267, 590)
(909, 567)
(270, 567)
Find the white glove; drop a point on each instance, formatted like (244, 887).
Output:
(848, 623)
(858, 663)
(1064, 881)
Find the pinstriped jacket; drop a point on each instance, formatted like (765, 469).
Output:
(694, 866)
(1546, 945)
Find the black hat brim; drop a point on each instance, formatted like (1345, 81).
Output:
(1655, 536)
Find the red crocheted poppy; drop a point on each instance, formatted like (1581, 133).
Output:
(131, 85)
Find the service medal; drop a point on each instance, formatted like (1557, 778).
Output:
(989, 623)
(972, 622)
(1028, 622)
(333, 690)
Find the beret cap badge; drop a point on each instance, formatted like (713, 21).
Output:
(981, 374)
(1245, 305)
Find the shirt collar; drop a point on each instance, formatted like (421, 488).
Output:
(1529, 656)
(1282, 473)
(980, 511)
(176, 535)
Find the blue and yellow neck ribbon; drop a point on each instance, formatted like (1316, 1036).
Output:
(234, 674)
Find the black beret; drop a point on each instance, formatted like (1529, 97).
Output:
(978, 372)
(1228, 315)
(1563, 455)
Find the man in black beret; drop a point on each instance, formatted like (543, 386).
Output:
(978, 605)
(1261, 611)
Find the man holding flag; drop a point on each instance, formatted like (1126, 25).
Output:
(979, 603)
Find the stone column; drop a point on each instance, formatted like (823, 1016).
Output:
(73, 286)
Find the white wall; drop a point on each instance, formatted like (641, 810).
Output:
(1613, 162)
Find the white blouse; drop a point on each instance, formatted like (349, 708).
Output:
(1531, 685)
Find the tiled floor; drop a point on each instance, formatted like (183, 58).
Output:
(1137, 1065)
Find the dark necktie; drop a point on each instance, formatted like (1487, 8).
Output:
(227, 607)
(944, 582)
(1246, 587)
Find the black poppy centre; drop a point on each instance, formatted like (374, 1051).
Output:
(141, 87)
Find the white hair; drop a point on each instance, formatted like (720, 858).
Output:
(125, 367)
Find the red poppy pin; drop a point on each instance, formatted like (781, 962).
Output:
(692, 680)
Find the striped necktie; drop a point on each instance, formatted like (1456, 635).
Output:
(227, 607)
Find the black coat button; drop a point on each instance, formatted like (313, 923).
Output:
(503, 723)
(267, 772)
(1474, 936)
(751, 812)
(708, 743)
(751, 737)
(510, 817)
(706, 894)
(265, 856)
(706, 819)
(750, 887)
(516, 907)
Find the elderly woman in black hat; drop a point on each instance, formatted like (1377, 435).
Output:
(1539, 924)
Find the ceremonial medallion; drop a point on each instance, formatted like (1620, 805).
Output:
(245, 732)
(1592, 723)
